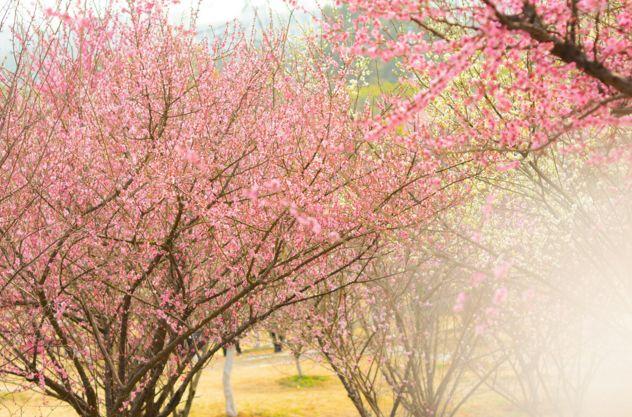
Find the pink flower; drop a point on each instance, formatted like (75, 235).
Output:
(477, 278)
(316, 228)
(508, 166)
(188, 154)
(624, 19)
(253, 192)
(500, 295)
(274, 185)
(590, 5)
(191, 156)
(488, 208)
(459, 304)
(501, 270)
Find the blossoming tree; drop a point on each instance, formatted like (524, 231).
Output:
(160, 196)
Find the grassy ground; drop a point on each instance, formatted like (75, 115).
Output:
(265, 385)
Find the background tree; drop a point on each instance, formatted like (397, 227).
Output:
(520, 52)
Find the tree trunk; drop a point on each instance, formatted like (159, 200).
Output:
(191, 395)
(231, 410)
(297, 359)
(352, 392)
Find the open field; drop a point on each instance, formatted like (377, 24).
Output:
(261, 390)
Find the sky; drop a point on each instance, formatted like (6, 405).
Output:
(217, 12)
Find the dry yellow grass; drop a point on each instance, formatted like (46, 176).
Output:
(256, 387)
(258, 393)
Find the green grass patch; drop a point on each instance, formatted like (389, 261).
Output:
(306, 381)
(255, 414)
(261, 350)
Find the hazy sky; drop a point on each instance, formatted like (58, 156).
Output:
(214, 12)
